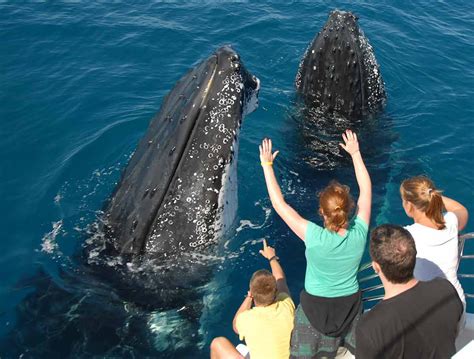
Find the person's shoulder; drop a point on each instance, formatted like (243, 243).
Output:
(244, 317)
(451, 220)
(285, 300)
(412, 228)
(438, 281)
(359, 229)
(313, 227)
(312, 234)
(418, 232)
(282, 296)
(381, 309)
(444, 290)
(243, 322)
(360, 223)
(370, 319)
(439, 287)
(439, 284)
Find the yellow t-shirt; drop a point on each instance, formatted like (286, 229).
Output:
(267, 330)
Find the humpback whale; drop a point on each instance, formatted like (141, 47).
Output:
(339, 85)
(178, 193)
(138, 287)
(339, 73)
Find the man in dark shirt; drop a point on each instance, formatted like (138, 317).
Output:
(415, 319)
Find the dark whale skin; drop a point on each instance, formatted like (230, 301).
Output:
(338, 73)
(167, 200)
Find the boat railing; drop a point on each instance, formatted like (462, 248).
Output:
(464, 258)
(372, 288)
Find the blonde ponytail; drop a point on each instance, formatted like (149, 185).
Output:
(421, 192)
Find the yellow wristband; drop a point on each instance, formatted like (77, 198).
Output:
(266, 163)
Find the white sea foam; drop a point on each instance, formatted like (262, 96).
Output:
(58, 198)
(170, 330)
(246, 223)
(48, 242)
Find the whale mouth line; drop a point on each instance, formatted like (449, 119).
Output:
(181, 156)
(209, 84)
(195, 119)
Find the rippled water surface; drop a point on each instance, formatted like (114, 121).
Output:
(79, 83)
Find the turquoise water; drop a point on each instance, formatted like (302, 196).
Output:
(80, 82)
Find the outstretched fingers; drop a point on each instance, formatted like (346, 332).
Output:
(265, 148)
(344, 137)
(351, 136)
(267, 145)
(350, 145)
(265, 246)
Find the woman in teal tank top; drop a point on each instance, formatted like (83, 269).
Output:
(330, 303)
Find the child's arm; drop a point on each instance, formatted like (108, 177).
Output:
(364, 203)
(296, 223)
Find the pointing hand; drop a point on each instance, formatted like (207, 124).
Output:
(268, 252)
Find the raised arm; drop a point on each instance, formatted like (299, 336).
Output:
(458, 209)
(277, 271)
(364, 203)
(296, 223)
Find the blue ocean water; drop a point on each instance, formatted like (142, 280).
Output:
(79, 83)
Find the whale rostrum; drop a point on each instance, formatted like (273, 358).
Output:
(173, 194)
(338, 73)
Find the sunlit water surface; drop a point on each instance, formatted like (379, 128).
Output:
(80, 82)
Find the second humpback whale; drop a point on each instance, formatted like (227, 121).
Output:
(178, 194)
(339, 73)
(340, 86)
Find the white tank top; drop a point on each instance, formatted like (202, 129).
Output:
(437, 252)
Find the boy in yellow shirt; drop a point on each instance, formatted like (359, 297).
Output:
(267, 326)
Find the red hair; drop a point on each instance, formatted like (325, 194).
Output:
(335, 204)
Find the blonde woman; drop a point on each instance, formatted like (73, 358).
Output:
(437, 221)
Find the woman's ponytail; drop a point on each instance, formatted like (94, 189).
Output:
(421, 192)
(435, 208)
(336, 204)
